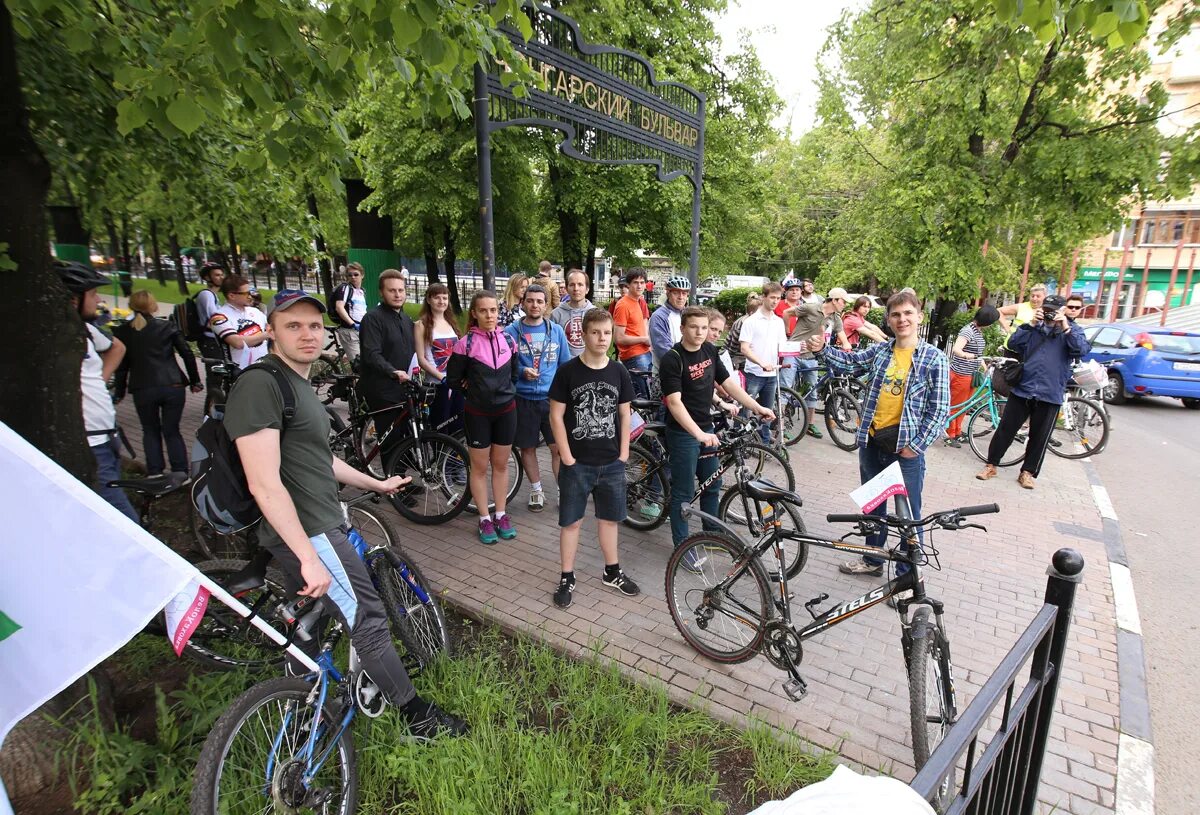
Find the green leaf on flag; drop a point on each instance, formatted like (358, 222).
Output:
(7, 626)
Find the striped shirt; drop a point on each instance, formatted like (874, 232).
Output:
(975, 345)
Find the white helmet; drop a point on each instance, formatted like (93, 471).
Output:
(679, 282)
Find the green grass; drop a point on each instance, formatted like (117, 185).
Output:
(550, 736)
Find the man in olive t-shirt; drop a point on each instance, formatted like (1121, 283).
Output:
(293, 477)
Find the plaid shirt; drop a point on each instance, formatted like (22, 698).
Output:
(926, 392)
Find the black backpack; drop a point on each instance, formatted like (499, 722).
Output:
(220, 494)
(187, 317)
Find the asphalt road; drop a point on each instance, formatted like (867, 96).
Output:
(1150, 469)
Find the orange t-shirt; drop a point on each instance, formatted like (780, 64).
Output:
(628, 315)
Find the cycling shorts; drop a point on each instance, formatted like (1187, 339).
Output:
(484, 431)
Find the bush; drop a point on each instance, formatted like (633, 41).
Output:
(732, 302)
(993, 335)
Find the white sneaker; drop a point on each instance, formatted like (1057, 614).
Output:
(537, 501)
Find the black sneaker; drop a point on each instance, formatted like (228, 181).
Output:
(437, 722)
(562, 596)
(622, 584)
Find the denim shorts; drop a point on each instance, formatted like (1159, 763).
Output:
(604, 482)
(533, 423)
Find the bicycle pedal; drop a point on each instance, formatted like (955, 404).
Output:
(795, 689)
(821, 598)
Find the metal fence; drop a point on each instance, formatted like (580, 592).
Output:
(1001, 778)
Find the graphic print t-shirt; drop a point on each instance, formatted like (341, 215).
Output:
(891, 395)
(592, 397)
(692, 374)
(245, 323)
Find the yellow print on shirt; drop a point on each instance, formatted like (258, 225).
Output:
(896, 374)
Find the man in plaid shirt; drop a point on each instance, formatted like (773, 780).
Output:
(904, 412)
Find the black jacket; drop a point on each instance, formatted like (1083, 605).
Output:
(150, 357)
(388, 343)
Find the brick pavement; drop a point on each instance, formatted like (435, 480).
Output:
(992, 584)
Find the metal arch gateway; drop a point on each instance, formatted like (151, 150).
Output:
(605, 101)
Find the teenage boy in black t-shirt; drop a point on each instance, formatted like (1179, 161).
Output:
(589, 416)
(689, 373)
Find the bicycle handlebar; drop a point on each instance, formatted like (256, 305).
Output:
(978, 509)
(943, 517)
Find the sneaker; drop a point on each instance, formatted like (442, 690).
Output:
(505, 528)
(694, 562)
(622, 584)
(487, 531)
(1025, 479)
(902, 595)
(861, 567)
(564, 594)
(952, 442)
(537, 501)
(814, 432)
(437, 722)
(178, 479)
(648, 509)
(989, 471)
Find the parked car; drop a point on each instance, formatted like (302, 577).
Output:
(1145, 361)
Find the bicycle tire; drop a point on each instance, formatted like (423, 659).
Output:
(219, 641)
(980, 429)
(792, 416)
(693, 609)
(757, 455)
(245, 720)
(216, 546)
(420, 625)
(1090, 433)
(436, 463)
(732, 511)
(842, 419)
(341, 443)
(931, 709)
(647, 491)
(516, 474)
(366, 441)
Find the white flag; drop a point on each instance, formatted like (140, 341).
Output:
(880, 488)
(78, 579)
(184, 613)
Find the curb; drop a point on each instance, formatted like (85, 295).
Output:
(1135, 748)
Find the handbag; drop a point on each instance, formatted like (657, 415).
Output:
(1007, 377)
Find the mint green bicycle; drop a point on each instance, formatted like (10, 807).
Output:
(985, 408)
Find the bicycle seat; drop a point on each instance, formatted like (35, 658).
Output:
(654, 427)
(645, 404)
(761, 490)
(154, 486)
(250, 577)
(343, 377)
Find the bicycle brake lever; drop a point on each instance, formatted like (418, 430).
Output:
(971, 526)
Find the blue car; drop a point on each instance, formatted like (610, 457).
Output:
(1145, 361)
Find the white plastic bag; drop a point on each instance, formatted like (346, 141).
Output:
(845, 791)
(1090, 375)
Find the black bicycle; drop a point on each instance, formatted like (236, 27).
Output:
(839, 397)
(730, 607)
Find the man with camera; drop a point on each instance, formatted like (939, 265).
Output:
(1046, 345)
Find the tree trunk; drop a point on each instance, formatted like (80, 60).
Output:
(114, 246)
(177, 256)
(568, 222)
(589, 262)
(942, 311)
(160, 273)
(234, 254)
(323, 262)
(280, 275)
(429, 247)
(450, 258)
(126, 257)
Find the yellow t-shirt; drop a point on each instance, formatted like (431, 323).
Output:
(891, 395)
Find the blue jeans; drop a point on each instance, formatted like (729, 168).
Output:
(806, 372)
(787, 373)
(108, 468)
(872, 461)
(689, 468)
(642, 362)
(761, 390)
(159, 408)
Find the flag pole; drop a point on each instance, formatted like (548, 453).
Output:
(258, 622)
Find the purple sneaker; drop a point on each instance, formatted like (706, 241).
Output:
(487, 531)
(505, 527)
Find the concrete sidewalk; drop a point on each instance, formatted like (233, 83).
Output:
(857, 703)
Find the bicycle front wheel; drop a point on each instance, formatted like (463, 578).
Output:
(224, 640)
(439, 467)
(842, 419)
(982, 426)
(930, 695)
(412, 607)
(791, 416)
(267, 727)
(1080, 429)
(733, 511)
(647, 493)
(769, 464)
(723, 619)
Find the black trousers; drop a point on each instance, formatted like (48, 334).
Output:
(160, 408)
(1041, 416)
(352, 597)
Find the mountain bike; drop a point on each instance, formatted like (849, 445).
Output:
(1080, 428)
(226, 640)
(841, 396)
(730, 607)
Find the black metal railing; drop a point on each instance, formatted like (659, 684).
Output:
(1002, 779)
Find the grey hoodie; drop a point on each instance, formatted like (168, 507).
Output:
(571, 319)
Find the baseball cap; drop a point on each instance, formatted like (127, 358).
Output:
(837, 293)
(1054, 302)
(287, 298)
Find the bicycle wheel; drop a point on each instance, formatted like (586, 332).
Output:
(930, 695)
(769, 464)
(216, 546)
(225, 640)
(982, 426)
(790, 411)
(412, 607)
(340, 442)
(1080, 429)
(732, 510)
(366, 442)
(842, 419)
(438, 466)
(232, 772)
(647, 492)
(725, 624)
(516, 473)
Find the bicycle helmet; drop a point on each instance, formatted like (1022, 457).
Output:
(208, 267)
(679, 282)
(791, 283)
(79, 278)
